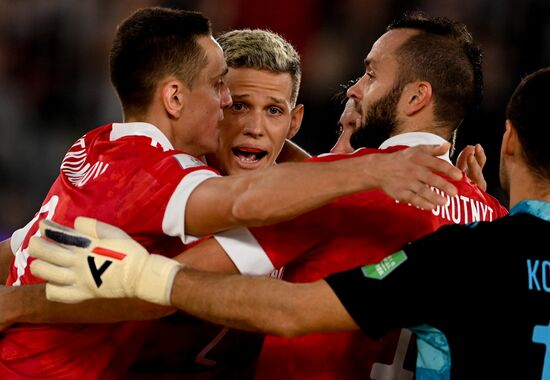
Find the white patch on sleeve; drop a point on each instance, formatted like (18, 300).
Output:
(173, 223)
(187, 161)
(245, 251)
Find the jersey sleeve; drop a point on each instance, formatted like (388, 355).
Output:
(160, 194)
(244, 250)
(173, 221)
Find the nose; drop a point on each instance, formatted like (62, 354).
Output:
(342, 145)
(354, 92)
(254, 125)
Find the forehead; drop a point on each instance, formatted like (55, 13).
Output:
(246, 81)
(215, 60)
(383, 54)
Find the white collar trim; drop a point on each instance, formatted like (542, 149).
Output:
(120, 130)
(414, 139)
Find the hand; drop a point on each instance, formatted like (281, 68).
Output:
(471, 160)
(409, 174)
(97, 260)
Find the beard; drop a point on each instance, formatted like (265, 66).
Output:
(381, 121)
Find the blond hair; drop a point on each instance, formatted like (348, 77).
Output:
(262, 50)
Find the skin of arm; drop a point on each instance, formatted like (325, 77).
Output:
(28, 303)
(260, 304)
(32, 306)
(284, 191)
(5, 259)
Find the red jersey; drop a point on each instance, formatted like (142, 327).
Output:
(128, 175)
(349, 232)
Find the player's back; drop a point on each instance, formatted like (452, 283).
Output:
(353, 231)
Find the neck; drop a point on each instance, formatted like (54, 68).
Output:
(526, 186)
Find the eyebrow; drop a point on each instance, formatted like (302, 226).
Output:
(272, 98)
(369, 62)
(222, 74)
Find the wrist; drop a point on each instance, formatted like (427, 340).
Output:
(156, 279)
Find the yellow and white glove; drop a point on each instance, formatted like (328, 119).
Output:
(98, 260)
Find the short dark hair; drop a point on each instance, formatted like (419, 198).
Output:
(444, 54)
(527, 109)
(151, 44)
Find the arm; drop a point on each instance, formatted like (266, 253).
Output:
(254, 303)
(28, 304)
(260, 303)
(292, 152)
(5, 259)
(284, 191)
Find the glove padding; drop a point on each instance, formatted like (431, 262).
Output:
(97, 260)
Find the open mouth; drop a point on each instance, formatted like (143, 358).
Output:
(248, 155)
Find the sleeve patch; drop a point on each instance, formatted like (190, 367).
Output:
(187, 161)
(384, 267)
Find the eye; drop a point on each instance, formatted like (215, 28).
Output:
(274, 111)
(370, 74)
(238, 107)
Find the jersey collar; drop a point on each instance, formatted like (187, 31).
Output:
(540, 209)
(416, 138)
(120, 130)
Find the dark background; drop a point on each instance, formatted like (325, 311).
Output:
(54, 82)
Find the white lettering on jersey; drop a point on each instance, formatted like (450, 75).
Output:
(75, 167)
(463, 210)
(22, 254)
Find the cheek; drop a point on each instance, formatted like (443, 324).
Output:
(278, 132)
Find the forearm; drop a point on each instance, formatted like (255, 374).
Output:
(284, 191)
(272, 195)
(28, 304)
(5, 259)
(260, 303)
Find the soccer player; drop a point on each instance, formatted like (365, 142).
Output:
(437, 278)
(400, 101)
(146, 175)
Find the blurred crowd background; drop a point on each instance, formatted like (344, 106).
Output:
(54, 82)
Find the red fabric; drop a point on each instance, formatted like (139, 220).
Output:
(131, 193)
(349, 232)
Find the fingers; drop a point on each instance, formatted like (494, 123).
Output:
(87, 226)
(65, 294)
(475, 173)
(480, 155)
(52, 273)
(51, 252)
(97, 229)
(464, 156)
(423, 197)
(437, 164)
(63, 235)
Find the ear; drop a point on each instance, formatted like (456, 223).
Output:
(173, 94)
(510, 142)
(418, 95)
(297, 115)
